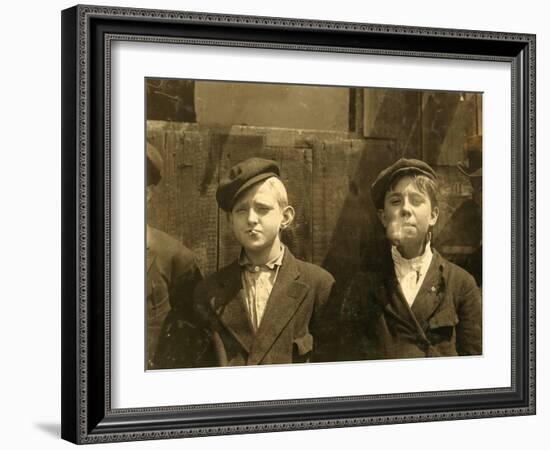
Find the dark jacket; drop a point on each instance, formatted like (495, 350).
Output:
(172, 275)
(289, 324)
(444, 320)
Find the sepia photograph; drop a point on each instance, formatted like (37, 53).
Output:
(292, 223)
(275, 224)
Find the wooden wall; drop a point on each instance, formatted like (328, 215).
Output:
(327, 173)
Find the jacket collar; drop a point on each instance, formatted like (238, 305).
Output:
(286, 296)
(230, 307)
(403, 266)
(388, 293)
(244, 261)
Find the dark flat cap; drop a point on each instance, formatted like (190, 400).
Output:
(241, 176)
(154, 165)
(402, 166)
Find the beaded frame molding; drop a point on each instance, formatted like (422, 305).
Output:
(87, 34)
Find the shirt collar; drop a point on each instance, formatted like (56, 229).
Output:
(418, 264)
(245, 262)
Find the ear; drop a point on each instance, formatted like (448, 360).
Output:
(434, 216)
(288, 217)
(382, 217)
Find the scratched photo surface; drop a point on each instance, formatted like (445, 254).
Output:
(341, 288)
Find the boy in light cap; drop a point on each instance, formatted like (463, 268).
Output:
(417, 304)
(263, 308)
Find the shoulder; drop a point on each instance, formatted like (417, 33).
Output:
(455, 275)
(313, 272)
(227, 275)
(169, 247)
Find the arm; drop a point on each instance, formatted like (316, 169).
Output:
(349, 321)
(186, 275)
(323, 323)
(468, 330)
(182, 342)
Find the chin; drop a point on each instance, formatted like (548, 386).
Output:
(412, 236)
(255, 245)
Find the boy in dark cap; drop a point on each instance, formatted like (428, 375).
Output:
(263, 308)
(417, 304)
(172, 275)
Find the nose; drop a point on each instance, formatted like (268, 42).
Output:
(252, 217)
(406, 207)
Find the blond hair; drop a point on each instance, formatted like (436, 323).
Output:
(278, 187)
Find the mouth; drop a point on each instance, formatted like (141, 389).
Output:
(252, 232)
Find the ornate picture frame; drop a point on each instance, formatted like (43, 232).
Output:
(88, 34)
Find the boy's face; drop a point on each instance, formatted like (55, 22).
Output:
(257, 218)
(408, 213)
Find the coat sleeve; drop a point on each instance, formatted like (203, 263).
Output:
(183, 342)
(186, 275)
(350, 321)
(468, 331)
(322, 323)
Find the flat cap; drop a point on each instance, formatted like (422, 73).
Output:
(154, 165)
(241, 176)
(402, 166)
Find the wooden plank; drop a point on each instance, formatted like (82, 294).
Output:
(167, 190)
(155, 215)
(184, 204)
(395, 114)
(197, 211)
(346, 233)
(448, 119)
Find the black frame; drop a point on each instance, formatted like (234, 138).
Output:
(87, 31)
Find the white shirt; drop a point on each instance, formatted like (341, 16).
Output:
(410, 273)
(258, 282)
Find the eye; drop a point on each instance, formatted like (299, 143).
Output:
(395, 201)
(417, 200)
(263, 208)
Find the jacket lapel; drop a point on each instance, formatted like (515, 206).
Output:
(388, 294)
(397, 306)
(229, 305)
(428, 298)
(286, 296)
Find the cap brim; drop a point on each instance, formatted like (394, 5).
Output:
(409, 170)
